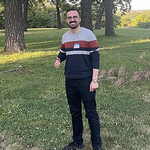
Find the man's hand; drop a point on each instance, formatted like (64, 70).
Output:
(57, 63)
(94, 83)
(93, 86)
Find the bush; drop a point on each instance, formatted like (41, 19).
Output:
(2, 22)
(143, 25)
(42, 19)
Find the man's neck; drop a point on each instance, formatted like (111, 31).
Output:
(76, 30)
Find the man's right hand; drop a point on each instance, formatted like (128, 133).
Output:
(57, 63)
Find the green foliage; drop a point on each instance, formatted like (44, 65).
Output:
(2, 22)
(1, 17)
(45, 15)
(41, 15)
(117, 21)
(136, 19)
(34, 113)
(45, 18)
(122, 5)
(145, 25)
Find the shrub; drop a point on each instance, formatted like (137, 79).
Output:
(143, 25)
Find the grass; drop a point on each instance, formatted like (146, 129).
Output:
(33, 106)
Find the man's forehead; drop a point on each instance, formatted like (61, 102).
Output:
(73, 12)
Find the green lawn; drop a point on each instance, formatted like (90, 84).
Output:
(34, 113)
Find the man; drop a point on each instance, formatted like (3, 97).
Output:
(81, 51)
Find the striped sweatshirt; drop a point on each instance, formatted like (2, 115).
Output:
(81, 52)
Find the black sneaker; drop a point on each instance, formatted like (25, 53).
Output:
(73, 146)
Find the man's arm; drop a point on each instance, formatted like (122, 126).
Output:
(94, 83)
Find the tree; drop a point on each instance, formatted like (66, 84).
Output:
(58, 4)
(109, 29)
(86, 15)
(58, 15)
(25, 13)
(14, 30)
(99, 16)
(122, 5)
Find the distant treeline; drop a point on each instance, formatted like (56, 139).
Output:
(47, 18)
(136, 19)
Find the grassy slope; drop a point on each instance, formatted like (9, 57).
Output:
(33, 106)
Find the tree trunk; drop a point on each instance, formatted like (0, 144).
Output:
(14, 30)
(109, 29)
(99, 16)
(58, 16)
(25, 4)
(86, 15)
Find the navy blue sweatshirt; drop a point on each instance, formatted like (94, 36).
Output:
(81, 52)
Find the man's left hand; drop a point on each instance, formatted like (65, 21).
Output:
(93, 86)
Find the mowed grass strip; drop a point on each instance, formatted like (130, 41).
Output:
(33, 105)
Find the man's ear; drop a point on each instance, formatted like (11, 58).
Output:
(79, 19)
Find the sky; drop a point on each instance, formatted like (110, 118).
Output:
(140, 5)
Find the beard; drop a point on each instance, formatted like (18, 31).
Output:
(74, 26)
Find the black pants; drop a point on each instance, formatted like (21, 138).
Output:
(77, 91)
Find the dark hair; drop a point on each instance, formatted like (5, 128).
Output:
(72, 9)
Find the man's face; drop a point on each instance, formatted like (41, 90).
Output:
(73, 19)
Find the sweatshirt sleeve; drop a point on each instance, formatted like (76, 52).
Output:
(95, 56)
(62, 53)
(94, 52)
